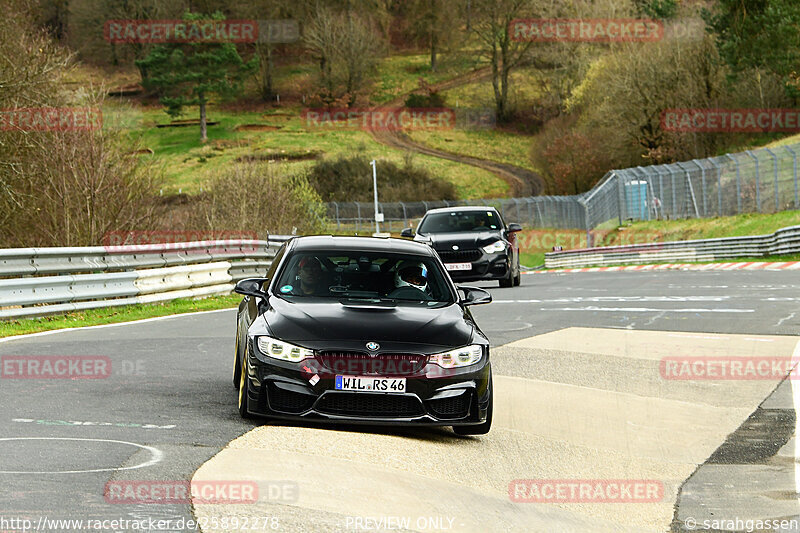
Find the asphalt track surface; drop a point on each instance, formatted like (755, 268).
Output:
(168, 405)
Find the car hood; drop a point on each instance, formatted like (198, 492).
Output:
(465, 240)
(327, 324)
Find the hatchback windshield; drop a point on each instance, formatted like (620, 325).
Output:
(378, 276)
(456, 221)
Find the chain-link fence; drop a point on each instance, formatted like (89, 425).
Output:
(755, 181)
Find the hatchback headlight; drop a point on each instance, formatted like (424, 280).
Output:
(284, 351)
(495, 247)
(468, 355)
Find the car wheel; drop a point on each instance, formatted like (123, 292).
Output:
(508, 281)
(243, 398)
(237, 368)
(480, 429)
(518, 277)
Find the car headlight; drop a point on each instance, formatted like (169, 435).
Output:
(496, 246)
(468, 355)
(284, 351)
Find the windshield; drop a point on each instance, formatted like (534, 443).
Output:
(366, 276)
(456, 221)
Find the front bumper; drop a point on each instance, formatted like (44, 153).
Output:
(488, 266)
(283, 390)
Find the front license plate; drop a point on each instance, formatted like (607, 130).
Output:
(371, 384)
(458, 266)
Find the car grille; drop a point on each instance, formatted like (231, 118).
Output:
(372, 405)
(455, 407)
(360, 363)
(460, 256)
(288, 401)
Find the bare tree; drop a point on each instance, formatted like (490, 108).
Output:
(346, 48)
(490, 22)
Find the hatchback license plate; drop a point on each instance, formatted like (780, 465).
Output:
(458, 266)
(371, 384)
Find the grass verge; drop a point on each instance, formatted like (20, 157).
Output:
(96, 317)
(535, 242)
(768, 259)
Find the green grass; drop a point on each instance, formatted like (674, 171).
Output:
(97, 317)
(492, 144)
(400, 74)
(534, 243)
(524, 91)
(768, 259)
(188, 163)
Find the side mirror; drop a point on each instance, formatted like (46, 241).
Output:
(407, 233)
(514, 227)
(251, 287)
(474, 295)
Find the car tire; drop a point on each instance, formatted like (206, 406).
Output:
(243, 397)
(508, 281)
(237, 368)
(480, 429)
(518, 277)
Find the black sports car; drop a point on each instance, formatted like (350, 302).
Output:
(360, 329)
(474, 243)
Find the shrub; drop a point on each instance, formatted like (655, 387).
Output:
(257, 197)
(432, 99)
(349, 179)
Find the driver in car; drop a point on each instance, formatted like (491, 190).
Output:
(310, 274)
(410, 281)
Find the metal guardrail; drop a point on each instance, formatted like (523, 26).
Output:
(44, 281)
(783, 241)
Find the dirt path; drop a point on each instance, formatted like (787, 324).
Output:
(522, 182)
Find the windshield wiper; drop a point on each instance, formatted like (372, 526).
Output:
(370, 298)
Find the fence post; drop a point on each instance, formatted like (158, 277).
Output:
(358, 216)
(738, 185)
(719, 186)
(702, 184)
(530, 213)
(338, 222)
(660, 190)
(620, 200)
(775, 172)
(758, 181)
(674, 197)
(794, 173)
